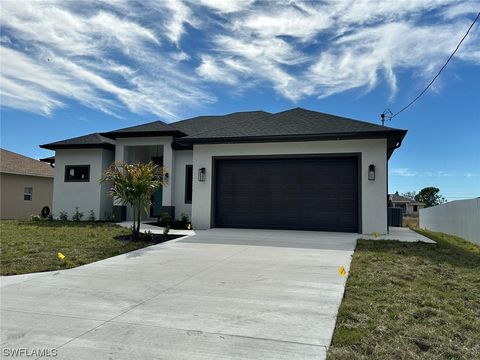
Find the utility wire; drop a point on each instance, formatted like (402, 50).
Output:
(436, 76)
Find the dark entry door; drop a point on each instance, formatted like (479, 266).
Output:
(311, 193)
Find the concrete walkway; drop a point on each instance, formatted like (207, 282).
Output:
(401, 234)
(220, 294)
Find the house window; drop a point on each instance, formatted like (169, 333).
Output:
(415, 208)
(188, 184)
(27, 194)
(75, 173)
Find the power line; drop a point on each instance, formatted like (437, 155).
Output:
(388, 113)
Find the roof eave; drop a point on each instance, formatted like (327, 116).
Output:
(78, 146)
(395, 134)
(122, 134)
(26, 174)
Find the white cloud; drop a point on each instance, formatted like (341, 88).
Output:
(211, 70)
(226, 6)
(51, 53)
(404, 172)
(299, 23)
(162, 56)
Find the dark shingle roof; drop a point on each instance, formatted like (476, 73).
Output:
(94, 140)
(202, 124)
(298, 124)
(155, 128)
(251, 126)
(294, 122)
(13, 163)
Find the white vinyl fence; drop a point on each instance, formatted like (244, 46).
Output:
(460, 218)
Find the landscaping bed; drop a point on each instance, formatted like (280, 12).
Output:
(32, 246)
(411, 301)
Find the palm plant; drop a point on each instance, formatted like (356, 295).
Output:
(134, 185)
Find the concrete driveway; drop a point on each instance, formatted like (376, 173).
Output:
(221, 294)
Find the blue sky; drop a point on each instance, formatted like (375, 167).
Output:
(72, 68)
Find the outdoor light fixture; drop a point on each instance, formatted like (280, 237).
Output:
(201, 174)
(371, 172)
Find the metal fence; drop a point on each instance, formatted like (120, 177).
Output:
(460, 218)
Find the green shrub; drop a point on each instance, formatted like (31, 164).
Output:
(91, 215)
(63, 216)
(181, 223)
(77, 215)
(147, 236)
(166, 219)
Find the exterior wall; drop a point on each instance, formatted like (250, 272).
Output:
(12, 187)
(106, 201)
(460, 218)
(86, 196)
(182, 158)
(373, 193)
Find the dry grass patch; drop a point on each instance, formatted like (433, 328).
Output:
(411, 301)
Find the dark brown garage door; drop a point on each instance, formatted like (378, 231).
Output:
(313, 193)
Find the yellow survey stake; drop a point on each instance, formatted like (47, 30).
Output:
(342, 271)
(60, 256)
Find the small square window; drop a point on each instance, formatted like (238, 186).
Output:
(188, 184)
(27, 194)
(415, 208)
(77, 173)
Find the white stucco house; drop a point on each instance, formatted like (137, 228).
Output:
(296, 169)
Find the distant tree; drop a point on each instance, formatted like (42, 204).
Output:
(410, 195)
(430, 196)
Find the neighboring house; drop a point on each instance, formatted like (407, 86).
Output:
(26, 186)
(297, 169)
(409, 206)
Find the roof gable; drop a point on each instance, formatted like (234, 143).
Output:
(94, 140)
(155, 128)
(200, 124)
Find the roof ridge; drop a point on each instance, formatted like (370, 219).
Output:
(132, 126)
(233, 123)
(349, 119)
(235, 112)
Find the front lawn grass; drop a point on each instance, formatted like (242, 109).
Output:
(411, 301)
(31, 246)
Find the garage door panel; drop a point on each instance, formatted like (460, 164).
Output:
(296, 193)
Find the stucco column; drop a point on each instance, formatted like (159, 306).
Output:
(168, 163)
(119, 158)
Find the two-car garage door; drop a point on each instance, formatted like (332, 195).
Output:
(310, 193)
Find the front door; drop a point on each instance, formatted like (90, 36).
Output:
(156, 207)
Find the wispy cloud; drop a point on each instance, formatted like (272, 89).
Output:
(161, 57)
(403, 172)
(406, 172)
(51, 52)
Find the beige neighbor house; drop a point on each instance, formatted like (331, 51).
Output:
(410, 207)
(26, 186)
